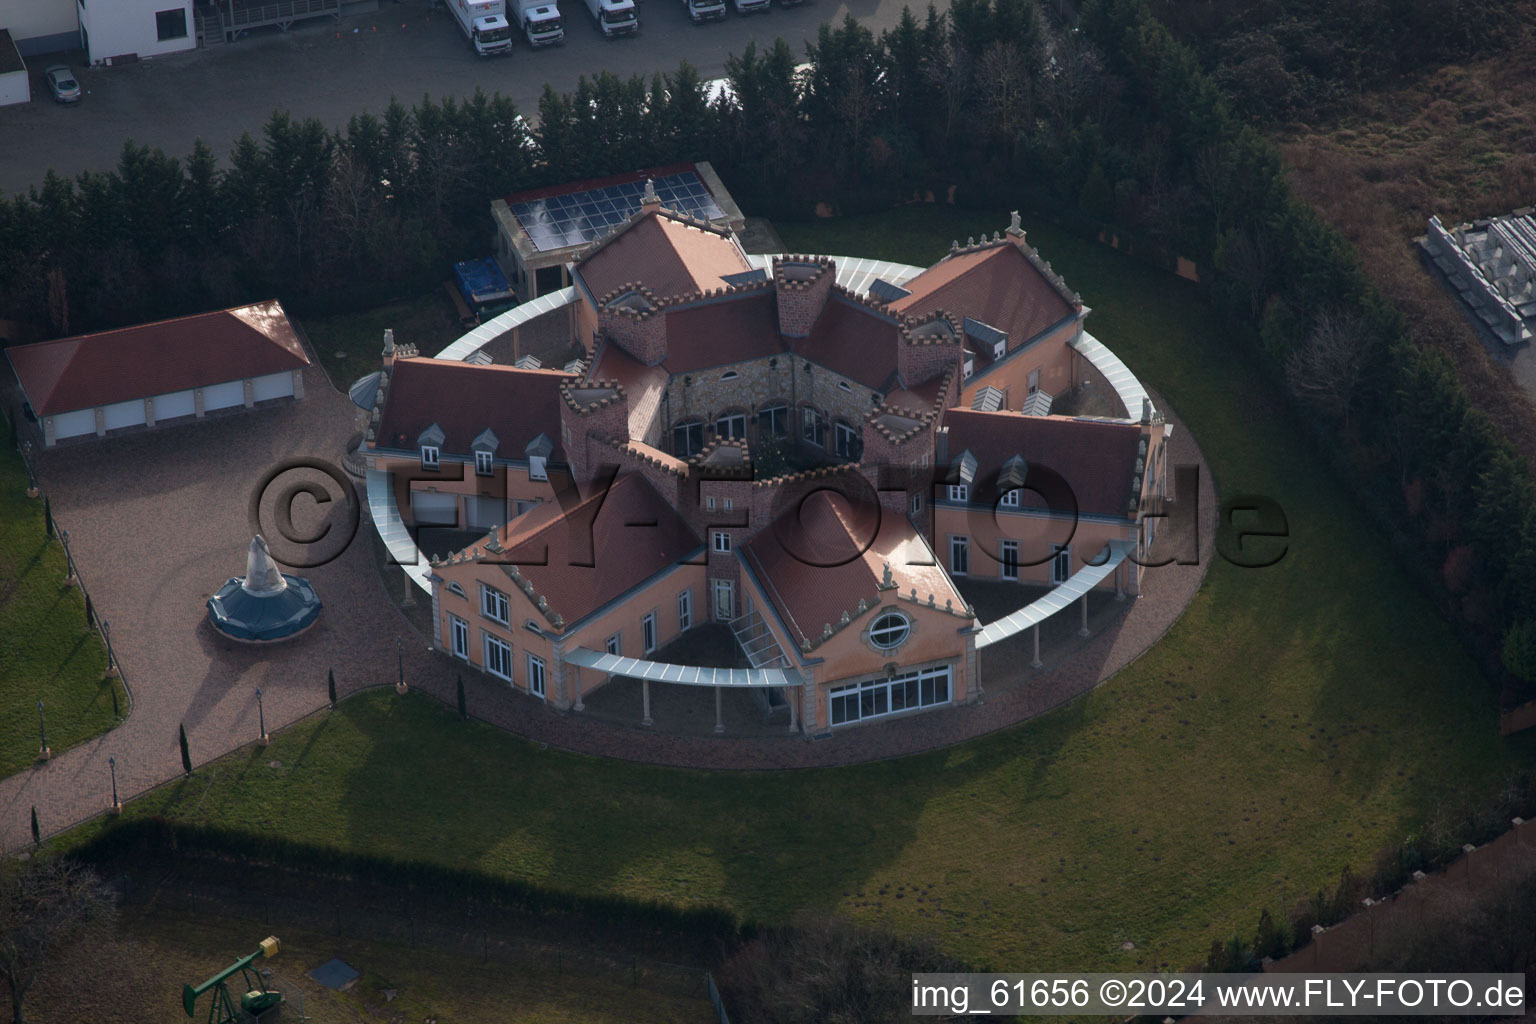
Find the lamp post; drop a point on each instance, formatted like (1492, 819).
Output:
(261, 715)
(26, 456)
(400, 686)
(106, 634)
(69, 560)
(43, 753)
(117, 805)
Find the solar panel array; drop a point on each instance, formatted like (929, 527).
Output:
(580, 217)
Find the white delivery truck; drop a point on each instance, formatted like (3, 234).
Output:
(541, 22)
(484, 23)
(615, 17)
(706, 10)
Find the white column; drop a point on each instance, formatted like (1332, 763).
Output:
(1120, 581)
(575, 677)
(790, 697)
(1083, 630)
(645, 699)
(719, 721)
(1036, 663)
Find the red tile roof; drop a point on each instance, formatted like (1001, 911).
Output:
(669, 256)
(155, 359)
(463, 400)
(997, 285)
(853, 342)
(625, 537)
(643, 385)
(1097, 459)
(814, 564)
(730, 331)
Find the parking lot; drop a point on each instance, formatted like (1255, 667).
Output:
(329, 71)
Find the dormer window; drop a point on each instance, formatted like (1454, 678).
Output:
(959, 492)
(537, 468)
(999, 349)
(1010, 499)
(484, 447)
(429, 456)
(483, 463)
(538, 452)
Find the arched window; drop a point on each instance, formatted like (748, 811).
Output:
(454, 588)
(732, 424)
(729, 375)
(687, 438)
(773, 421)
(889, 631)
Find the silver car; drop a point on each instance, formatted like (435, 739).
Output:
(61, 82)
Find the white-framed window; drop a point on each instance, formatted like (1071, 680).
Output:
(454, 588)
(959, 492)
(773, 421)
(458, 637)
(709, 503)
(725, 600)
(648, 632)
(887, 696)
(615, 645)
(498, 657)
(959, 556)
(728, 504)
(1010, 499)
(1061, 562)
(732, 425)
(493, 604)
(535, 675)
(845, 440)
(813, 429)
(687, 438)
(1034, 381)
(483, 463)
(917, 503)
(1010, 566)
(429, 455)
(729, 375)
(721, 541)
(538, 468)
(889, 631)
(684, 610)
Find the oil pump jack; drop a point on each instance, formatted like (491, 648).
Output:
(255, 1001)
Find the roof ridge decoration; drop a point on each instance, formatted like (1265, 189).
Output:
(866, 302)
(570, 384)
(965, 611)
(823, 265)
(1055, 280)
(829, 630)
(924, 421)
(818, 473)
(595, 246)
(634, 450)
(911, 325)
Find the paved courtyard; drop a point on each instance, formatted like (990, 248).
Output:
(158, 520)
(329, 71)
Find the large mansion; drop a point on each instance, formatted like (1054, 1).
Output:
(747, 442)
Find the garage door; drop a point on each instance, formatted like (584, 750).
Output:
(125, 414)
(222, 396)
(434, 509)
(486, 513)
(177, 403)
(273, 385)
(73, 424)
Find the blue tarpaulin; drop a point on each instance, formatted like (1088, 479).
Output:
(482, 283)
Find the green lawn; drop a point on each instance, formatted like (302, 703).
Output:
(46, 652)
(1297, 719)
(349, 345)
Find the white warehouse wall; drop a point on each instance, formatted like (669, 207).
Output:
(119, 27)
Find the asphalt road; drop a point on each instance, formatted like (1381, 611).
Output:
(323, 70)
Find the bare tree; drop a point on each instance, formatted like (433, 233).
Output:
(46, 907)
(1326, 369)
(949, 71)
(1004, 83)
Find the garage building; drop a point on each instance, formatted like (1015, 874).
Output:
(143, 376)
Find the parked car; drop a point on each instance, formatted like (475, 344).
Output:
(61, 82)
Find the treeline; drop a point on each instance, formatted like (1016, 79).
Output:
(1281, 59)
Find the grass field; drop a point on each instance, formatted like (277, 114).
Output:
(1297, 719)
(159, 950)
(46, 652)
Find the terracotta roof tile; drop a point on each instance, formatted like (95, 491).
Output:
(997, 285)
(463, 399)
(730, 331)
(643, 385)
(158, 358)
(814, 563)
(668, 256)
(853, 342)
(623, 537)
(1096, 459)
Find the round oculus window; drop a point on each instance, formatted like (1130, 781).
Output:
(889, 630)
